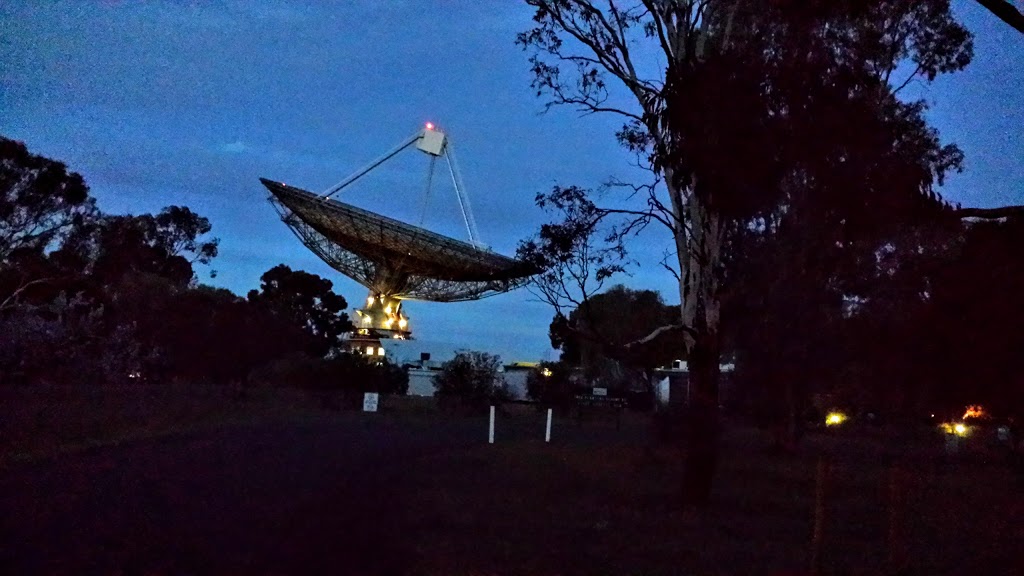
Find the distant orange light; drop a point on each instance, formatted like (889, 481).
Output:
(430, 125)
(974, 411)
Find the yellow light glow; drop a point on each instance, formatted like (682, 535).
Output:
(545, 372)
(958, 428)
(387, 309)
(380, 351)
(367, 319)
(389, 322)
(369, 300)
(835, 418)
(402, 323)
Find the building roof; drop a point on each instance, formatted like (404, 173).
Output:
(402, 352)
(683, 366)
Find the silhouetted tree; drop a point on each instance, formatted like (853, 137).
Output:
(306, 300)
(745, 113)
(86, 297)
(40, 201)
(973, 314)
(40, 204)
(165, 245)
(940, 331)
(611, 320)
(211, 334)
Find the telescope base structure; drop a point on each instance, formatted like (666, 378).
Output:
(381, 319)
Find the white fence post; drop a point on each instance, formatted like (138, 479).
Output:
(490, 428)
(547, 429)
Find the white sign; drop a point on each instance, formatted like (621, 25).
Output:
(370, 402)
(600, 391)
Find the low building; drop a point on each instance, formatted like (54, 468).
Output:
(672, 384)
(422, 359)
(419, 354)
(516, 375)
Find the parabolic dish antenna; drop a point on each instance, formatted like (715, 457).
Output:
(397, 261)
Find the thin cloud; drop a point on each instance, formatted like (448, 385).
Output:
(236, 147)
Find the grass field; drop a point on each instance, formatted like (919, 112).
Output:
(43, 421)
(603, 500)
(610, 508)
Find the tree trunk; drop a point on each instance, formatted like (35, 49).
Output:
(791, 416)
(699, 261)
(703, 424)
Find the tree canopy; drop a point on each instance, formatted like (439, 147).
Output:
(93, 297)
(40, 201)
(167, 245)
(770, 128)
(801, 96)
(307, 301)
(613, 324)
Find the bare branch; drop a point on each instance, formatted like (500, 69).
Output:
(657, 332)
(608, 58)
(1005, 12)
(622, 43)
(989, 213)
(908, 80)
(671, 270)
(12, 299)
(605, 39)
(659, 27)
(641, 214)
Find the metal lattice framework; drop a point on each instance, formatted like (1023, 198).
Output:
(393, 258)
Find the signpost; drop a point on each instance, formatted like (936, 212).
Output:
(490, 428)
(370, 400)
(596, 401)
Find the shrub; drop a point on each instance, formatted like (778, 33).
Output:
(357, 374)
(348, 374)
(474, 379)
(297, 370)
(551, 385)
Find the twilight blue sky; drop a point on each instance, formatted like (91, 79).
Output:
(189, 102)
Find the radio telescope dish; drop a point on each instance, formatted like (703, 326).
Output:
(397, 261)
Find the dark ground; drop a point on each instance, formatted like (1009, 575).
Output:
(322, 496)
(424, 494)
(271, 499)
